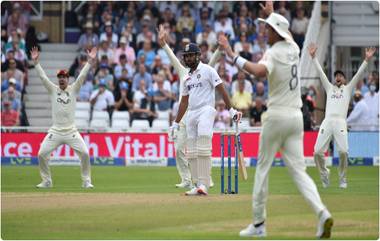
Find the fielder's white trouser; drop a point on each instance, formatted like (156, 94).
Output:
(282, 129)
(337, 128)
(52, 140)
(199, 126)
(180, 147)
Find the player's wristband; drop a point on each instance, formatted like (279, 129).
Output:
(239, 62)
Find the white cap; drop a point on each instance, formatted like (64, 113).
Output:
(279, 23)
(12, 80)
(123, 40)
(88, 25)
(146, 17)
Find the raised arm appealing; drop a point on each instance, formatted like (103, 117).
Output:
(215, 57)
(258, 70)
(162, 36)
(35, 54)
(325, 81)
(369, 52)
(91, 55)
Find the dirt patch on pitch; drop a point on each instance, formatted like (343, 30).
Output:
(11, 202)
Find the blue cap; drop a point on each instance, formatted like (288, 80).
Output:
(102, 82)
(150, 92)
(191, 48)
(123, 86)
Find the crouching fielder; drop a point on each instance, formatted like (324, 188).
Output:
(179, 137)
(63, 131)
(334, 124)
(198, 96)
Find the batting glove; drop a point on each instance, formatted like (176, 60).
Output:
(173, 131)
(236, 115)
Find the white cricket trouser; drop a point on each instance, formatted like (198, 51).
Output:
(332, 128)
(199, 128)
(282, 129)
(180, 147)
(52, 140)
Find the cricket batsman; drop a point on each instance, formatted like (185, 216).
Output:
(282, 124)
(334, 125)
(63, 99)
(198, 97)
(179, 136)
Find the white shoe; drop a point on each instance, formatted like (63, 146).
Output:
(251, 231)
(325, 178)
(211, 183)
(192, 192)
(202, 190)
(184, 185)
(325, 225)
(87, 185)
(45, 184)
(343, 183)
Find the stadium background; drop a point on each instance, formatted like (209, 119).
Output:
(341, 29)
(59, 29)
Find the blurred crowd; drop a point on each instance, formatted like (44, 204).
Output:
(134, 74)
(17, 37)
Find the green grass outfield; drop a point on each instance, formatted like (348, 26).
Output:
(142, 203)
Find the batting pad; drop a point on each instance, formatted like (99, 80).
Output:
(191, 154)
(191, 148)
(204, 145)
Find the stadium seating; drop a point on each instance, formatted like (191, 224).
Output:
(163, 115)
(120, 119)
(160, 124)
(140, 124)
(83, 106)
(100, 119)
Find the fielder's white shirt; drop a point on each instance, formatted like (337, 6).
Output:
(200, 86)
(338, 98)
(63, 102)
(281, 62)
(182, 71)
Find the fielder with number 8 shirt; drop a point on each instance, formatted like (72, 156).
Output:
(282, 124)
(63, 131)
(179, 136)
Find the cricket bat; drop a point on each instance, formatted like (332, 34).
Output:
(241, 161)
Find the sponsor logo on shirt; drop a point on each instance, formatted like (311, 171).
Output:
(337, 95)
(62, 101)
(192, 86)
